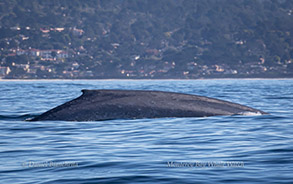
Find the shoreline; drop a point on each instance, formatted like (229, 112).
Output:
(30, 80)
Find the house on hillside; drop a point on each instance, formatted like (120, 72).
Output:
(44, 54)
(77, 32)
(4, 71)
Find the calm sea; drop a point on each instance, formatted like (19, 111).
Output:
(222, 149)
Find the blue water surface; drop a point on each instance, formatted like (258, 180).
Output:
(222, 149)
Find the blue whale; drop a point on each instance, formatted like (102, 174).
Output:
(96, 105)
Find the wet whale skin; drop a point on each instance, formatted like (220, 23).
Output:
(95, 105)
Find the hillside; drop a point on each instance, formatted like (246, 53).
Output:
(146, 39)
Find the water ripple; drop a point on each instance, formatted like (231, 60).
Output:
(136, 151)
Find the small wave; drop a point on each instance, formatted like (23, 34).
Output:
(250, 113)
(279, 98)
(17, 117)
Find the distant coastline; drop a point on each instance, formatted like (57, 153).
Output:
(1, 80)
(146, 40)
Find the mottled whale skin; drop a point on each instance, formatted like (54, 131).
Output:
(95, 105)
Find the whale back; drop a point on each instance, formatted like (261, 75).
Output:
(95, 105)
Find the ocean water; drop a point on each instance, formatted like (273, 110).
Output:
(222, 149)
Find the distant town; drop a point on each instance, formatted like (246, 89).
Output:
(122, 41)
(34, 63)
